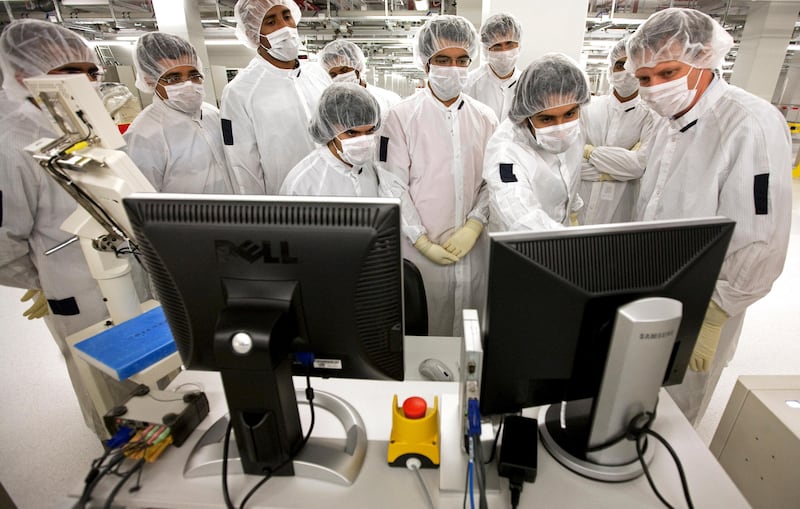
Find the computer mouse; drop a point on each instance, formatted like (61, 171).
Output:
(434, 369)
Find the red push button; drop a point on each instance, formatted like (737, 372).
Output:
(414, 407)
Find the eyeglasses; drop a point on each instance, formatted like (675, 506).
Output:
(449, 61)
(94, 73)
(174, 79)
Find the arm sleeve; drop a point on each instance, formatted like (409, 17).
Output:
(622, 163)
(241, 146)
(480, 212)
(514, 201)
(394, 159)
(149, 153)
(757, 194)
(19, 197)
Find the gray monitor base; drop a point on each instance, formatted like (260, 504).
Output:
(336, 460)
(591, 470)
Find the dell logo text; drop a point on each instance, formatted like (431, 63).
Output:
(252, 252)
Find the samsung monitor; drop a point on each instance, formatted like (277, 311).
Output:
(599, 317)
(260, 288)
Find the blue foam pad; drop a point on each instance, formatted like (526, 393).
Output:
(128, 348)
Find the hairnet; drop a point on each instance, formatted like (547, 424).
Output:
(343, 106)
(442, 32)
(685, 35)
(341, 53)
(31, 48)
(617, 52)
(249, 15)
(550, 81)
(500, 28)
(153, 49)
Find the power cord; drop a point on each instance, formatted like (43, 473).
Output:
(637, 431)
(226, 448)
(414, 464)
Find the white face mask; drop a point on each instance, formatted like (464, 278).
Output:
(186, 97)
(447, 81)
(670, 98)
(347, 77)
(625, 83)
(557, 138)
(284, 44)
(359, 150)
(503, 62)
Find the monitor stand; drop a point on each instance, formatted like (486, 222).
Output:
(335, 460)
(639, 352)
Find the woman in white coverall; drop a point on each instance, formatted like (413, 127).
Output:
(176, 141)
(344, 165)
(266, 108)
(722, 151)
(433, 143)
(532, 166)
(34, 206)
(494, 81)
(345, 63)
(615, 128)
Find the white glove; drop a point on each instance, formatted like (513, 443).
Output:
(708, 339)
(434, 252)
(39, 308)
(461, 242)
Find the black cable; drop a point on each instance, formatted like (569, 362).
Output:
(640, 455)
(494, 443)
(226, 444)
(86, 495)
(481, 471)
(466, 488)
(110, 499)
(678, 465)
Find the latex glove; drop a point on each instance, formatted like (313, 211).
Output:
(39, 308)
(636, 147)
(605, 177)
(587, 151)
(434, 252)
(707, 341)
(573, 219)
(461, 242)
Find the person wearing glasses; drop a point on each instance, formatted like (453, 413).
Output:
(176, 141)
(266, 108)
(432, 143)
(493, 83)
(345, 63)
(34, 206)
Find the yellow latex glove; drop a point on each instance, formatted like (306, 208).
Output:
(636, 147)
(707, 341)
(587, 151)
(573, 219)
(39, 308)
(605, 177)
(434, 252)
(461, 242)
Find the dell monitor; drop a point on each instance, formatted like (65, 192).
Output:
(599, 317)
(260, 288)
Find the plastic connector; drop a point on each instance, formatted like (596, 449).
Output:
(473, 417)
(120, 438)
(305, 358)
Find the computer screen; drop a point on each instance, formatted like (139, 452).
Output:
(553, 299)
(253, 285)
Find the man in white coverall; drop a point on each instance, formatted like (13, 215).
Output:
(533, 161)
(344, 165)
(176, 142)
(612, 125)
(34, 205)
(493, 82)
(722, 151)
(433, 143)
(266, 108)
(345, 63)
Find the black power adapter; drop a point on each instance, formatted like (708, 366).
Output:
(518, 453)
